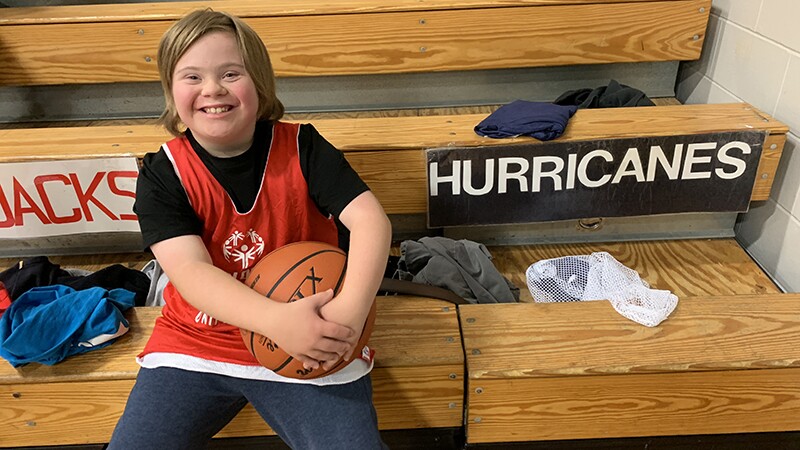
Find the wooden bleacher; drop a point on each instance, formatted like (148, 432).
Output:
(723, 363)
(115, 43)
(538, 368)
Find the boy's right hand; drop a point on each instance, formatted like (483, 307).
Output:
(301, 332)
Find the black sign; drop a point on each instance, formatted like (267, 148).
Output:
(607, 178)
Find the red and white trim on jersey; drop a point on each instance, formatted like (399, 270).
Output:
(282, 213)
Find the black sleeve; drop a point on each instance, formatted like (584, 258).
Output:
(161, 203)
(332, 183)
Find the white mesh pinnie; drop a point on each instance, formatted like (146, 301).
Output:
(599, 277)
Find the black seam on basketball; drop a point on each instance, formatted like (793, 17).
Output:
(253, 345)
(255, 282)
(291, 269)
(279, 368)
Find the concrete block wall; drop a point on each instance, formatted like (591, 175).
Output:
(752, 54)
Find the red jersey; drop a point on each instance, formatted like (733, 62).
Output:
(282, 213)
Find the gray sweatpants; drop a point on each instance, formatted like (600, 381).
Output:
(178, 409)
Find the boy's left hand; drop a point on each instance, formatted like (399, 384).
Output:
(349, 312)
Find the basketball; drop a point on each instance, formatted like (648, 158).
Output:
(291, 273)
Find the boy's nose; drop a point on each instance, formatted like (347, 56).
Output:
(213, 87)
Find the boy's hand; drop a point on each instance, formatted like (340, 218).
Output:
(303, 333)
(342, 311)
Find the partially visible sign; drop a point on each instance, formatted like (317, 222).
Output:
(604, 178)
(51, 198)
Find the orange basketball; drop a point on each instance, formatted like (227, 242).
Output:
(291, 273)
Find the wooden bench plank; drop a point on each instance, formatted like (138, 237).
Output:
(402, 133)
(253, 8)
(542, 409)
(387, 149)
(61, 413)
(687, 267)
(590, 338)
(405, 398)
(580, 370)
(768, 166)
(376, 43)
(431, 321)
(91, 262)
(85, 412)
(419, 367)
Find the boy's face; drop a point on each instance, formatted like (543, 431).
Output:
(215, 96)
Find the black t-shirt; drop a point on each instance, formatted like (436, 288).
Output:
(164, 210)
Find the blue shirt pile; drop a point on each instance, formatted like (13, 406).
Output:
(47, 324)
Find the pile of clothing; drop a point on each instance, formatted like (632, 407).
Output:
(461, 266)
(48, 313)
(546, 121)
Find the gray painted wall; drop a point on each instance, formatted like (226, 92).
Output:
(345, 93)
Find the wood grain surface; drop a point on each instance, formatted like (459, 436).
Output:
(253, 8)
(727, 364)
(403, 132)
(61, 413)
(431, 322)
(404, 397)
(634, 405)
(375, 42)
(686, 267)
(768, 166)
(85, 412)
(542, 340)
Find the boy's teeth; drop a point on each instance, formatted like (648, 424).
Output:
(217, 110)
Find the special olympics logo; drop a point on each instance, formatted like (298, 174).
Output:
(243, 247)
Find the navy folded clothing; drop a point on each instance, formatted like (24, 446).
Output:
(614, 95)
(540, 120)
(39, 272)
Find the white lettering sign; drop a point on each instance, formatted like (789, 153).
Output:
(552, 181)
(516, 174)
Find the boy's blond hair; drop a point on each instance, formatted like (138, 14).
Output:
(197, 24)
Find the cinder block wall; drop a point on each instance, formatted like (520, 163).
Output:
(752, 54)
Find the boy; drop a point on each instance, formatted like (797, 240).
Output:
(238, 182)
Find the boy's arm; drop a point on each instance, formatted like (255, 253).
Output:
(370, 239)
(297, 327)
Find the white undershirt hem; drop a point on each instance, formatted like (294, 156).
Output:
(352, 372)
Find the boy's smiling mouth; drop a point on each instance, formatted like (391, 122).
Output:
(216, 109)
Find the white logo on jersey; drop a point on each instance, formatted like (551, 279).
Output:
(205, 319)
(243, 247)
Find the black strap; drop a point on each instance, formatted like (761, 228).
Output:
(391, 285)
